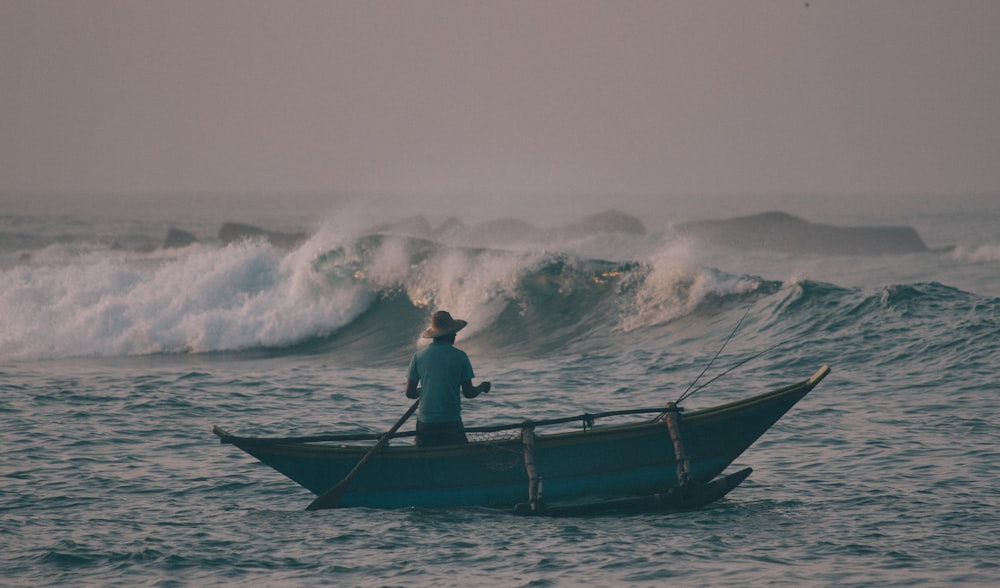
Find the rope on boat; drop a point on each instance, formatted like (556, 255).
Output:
(687, 395)
(689, 392)
(719, 352)
(534, 480)
(674, 427)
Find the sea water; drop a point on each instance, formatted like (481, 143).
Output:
(117, 356)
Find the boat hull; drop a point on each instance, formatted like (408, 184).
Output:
(614, 461)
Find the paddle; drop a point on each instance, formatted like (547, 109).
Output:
(331, 498)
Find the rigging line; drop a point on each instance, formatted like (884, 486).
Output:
(719, 352)
(751, 358)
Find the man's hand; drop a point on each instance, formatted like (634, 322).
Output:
(470, 391)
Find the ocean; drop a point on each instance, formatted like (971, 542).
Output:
(117, 355)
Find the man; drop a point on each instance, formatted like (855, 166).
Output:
(445, 372)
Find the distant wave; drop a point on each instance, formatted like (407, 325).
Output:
(369, 297)
(978, 254)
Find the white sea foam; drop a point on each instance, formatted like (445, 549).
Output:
(206, 299)
(676, 285)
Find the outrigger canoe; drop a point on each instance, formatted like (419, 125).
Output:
(665, 463)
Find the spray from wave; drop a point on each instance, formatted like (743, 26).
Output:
(976, 254)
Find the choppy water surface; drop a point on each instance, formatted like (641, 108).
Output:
(114, 364)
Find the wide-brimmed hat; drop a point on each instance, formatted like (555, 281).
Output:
(442, 324)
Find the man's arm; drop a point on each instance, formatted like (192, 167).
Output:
(411, 389)
(470, 391)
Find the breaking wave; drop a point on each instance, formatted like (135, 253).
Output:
(367, 298)
(372, 293)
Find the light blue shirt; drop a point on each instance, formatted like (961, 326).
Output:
(440, 368)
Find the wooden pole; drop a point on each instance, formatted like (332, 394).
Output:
(534, 481)
(674, 427)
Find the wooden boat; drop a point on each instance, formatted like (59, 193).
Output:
(616, 467)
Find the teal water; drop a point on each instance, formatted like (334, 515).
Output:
(117, 357)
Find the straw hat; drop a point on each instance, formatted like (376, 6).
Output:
(442, 324)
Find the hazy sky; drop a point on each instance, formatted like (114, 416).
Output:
(503, 97)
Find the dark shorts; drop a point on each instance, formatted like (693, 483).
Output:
(431, 434)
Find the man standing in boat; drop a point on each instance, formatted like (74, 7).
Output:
(445, 374)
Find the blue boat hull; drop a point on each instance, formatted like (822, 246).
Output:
(615, 461)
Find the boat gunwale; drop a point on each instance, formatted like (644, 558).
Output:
(320, 443)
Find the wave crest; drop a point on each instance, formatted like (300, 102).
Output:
(366, 297)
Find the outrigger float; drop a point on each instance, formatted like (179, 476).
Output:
(673, 461)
